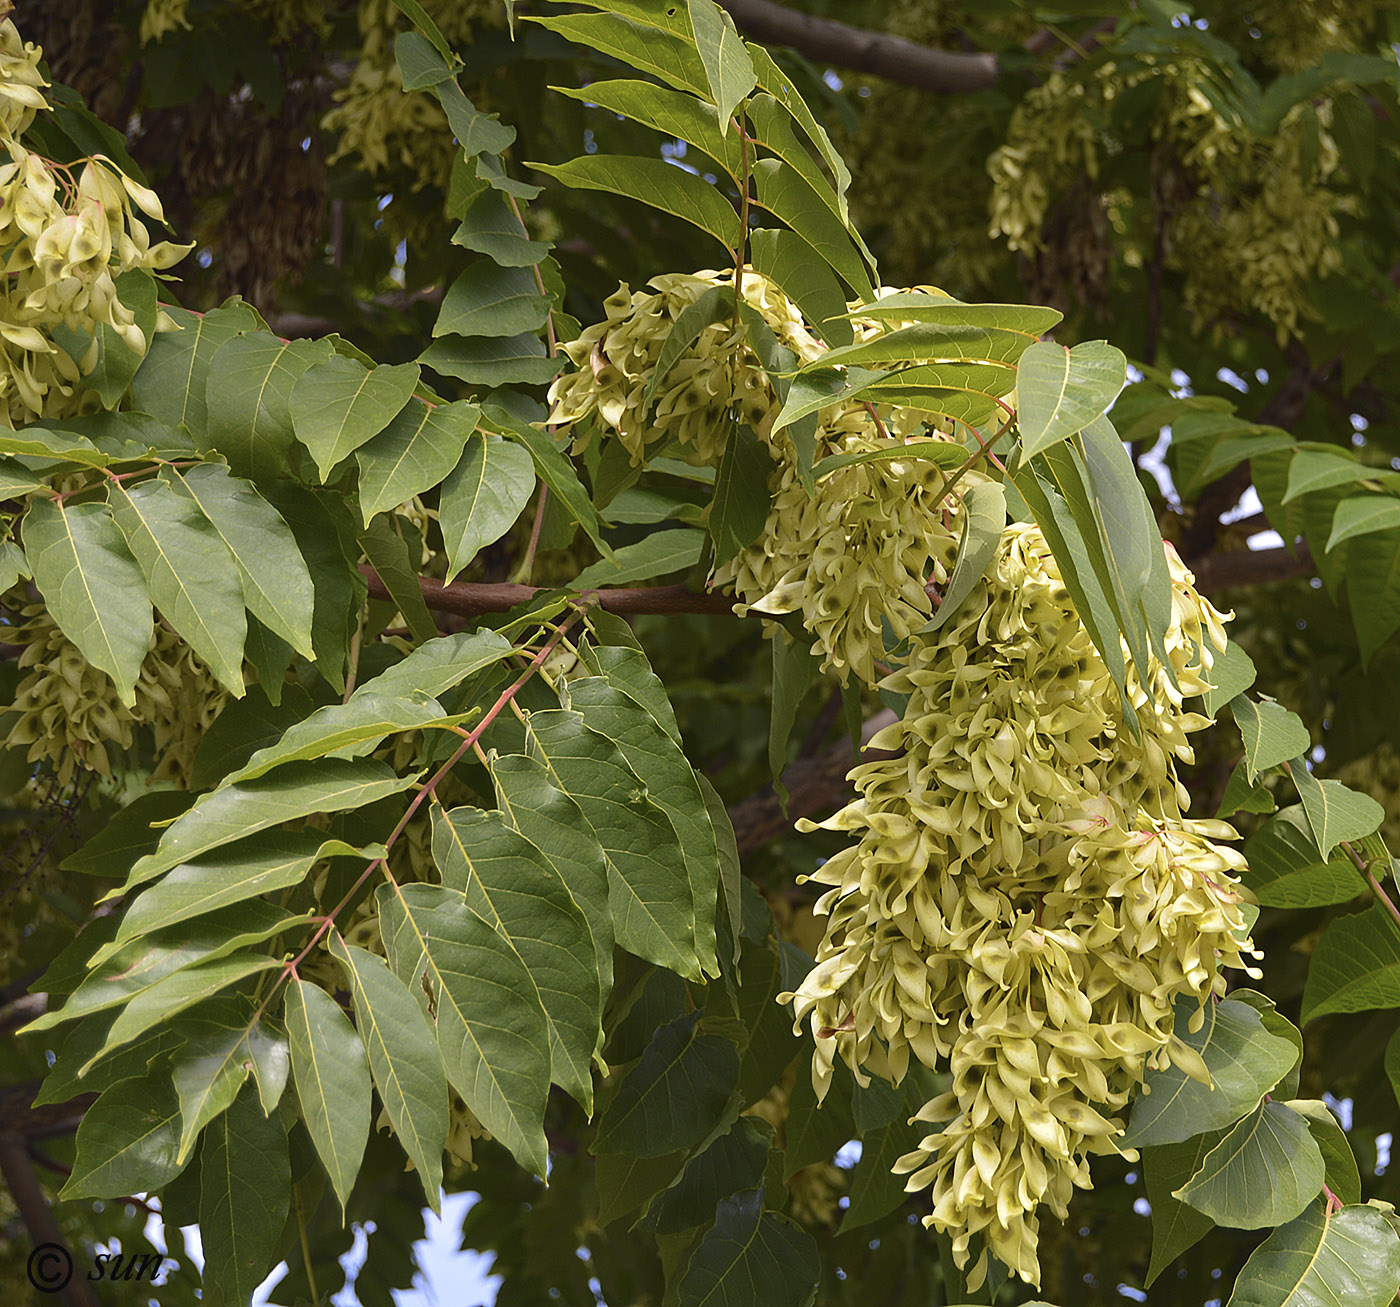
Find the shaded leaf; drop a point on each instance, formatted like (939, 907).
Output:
(1343, 1176)
(244, 1183)
(276, 585)
(332, 1079)
(1356, 965)
(493, 360)
(127, 1140)
(750, 1255)
(1271, 734)
(412, 454)
(1362, 515)
(674, 1095)
(1176, 1226)
(482, 497)
(91, 585)
(490, 227)
(1244, 1061)
(435, 667)
(492, 1032)
(1335, 813)
(1285, 869)
(172, 379)
(656, 183)
(189, 572)
(1232, 673)
(728, 67)
(984, 517)
(507, 882)
(404, 1056)
(785, 258)
(659, 554)
(740, 506)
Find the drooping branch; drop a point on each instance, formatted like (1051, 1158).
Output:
(825, 40)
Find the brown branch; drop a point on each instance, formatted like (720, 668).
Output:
(43, 1227)
(1250, 567)
(469, 600)
(825, 40)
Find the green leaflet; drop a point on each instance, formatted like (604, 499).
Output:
(1271, 734)
(1287, 871)
(488, 300)
(507, 882)
(1061, 391)
(1244, 1060)
(483, 496)
(435, 667)
(1343, 1176)
(751, 1255)
(332, 1079)
(189, 572)
(261, 864)
(739, 509)
(662, 553)
(1176, 1226)
(674, 1095)
(735, 1160)
(393, 547)
(794, 666)
(343, 730)
(1373, 586)
(244, 1183)
(655, 183)
(789, 196)
(1349, 1258)
(423, 61)
(172, 379)
(127, 1140)
(1335, 813)
(1264, 1172)
(673, 113)
(650, 894)
(671, 784)
(983, 521)
(557, 831)
(490, 1027)
(140, 965)
(554, 469)
(220, 1045)
(1355, 967)
(728, 68)
(490, 227)
(248, 400)
(1232, 673)
(91, 585)
(404, 1057)
(667, 54)
(412, 454)
(338, 405)
(295, 790)
(276, 585)
(1310, 470)
(787, 259)
(493, 360)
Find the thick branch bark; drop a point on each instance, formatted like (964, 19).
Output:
(1250, 567)
(815, 785)
(824, 40)
(468, 600)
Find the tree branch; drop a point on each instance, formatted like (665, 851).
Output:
(824, 40)
(1250, 567)
(468, 600)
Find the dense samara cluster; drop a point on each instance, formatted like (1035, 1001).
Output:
(1027, 898)
(68, 234)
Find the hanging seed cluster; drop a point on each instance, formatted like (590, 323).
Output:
(1026, 898)
(67, 234)
(70, 715)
